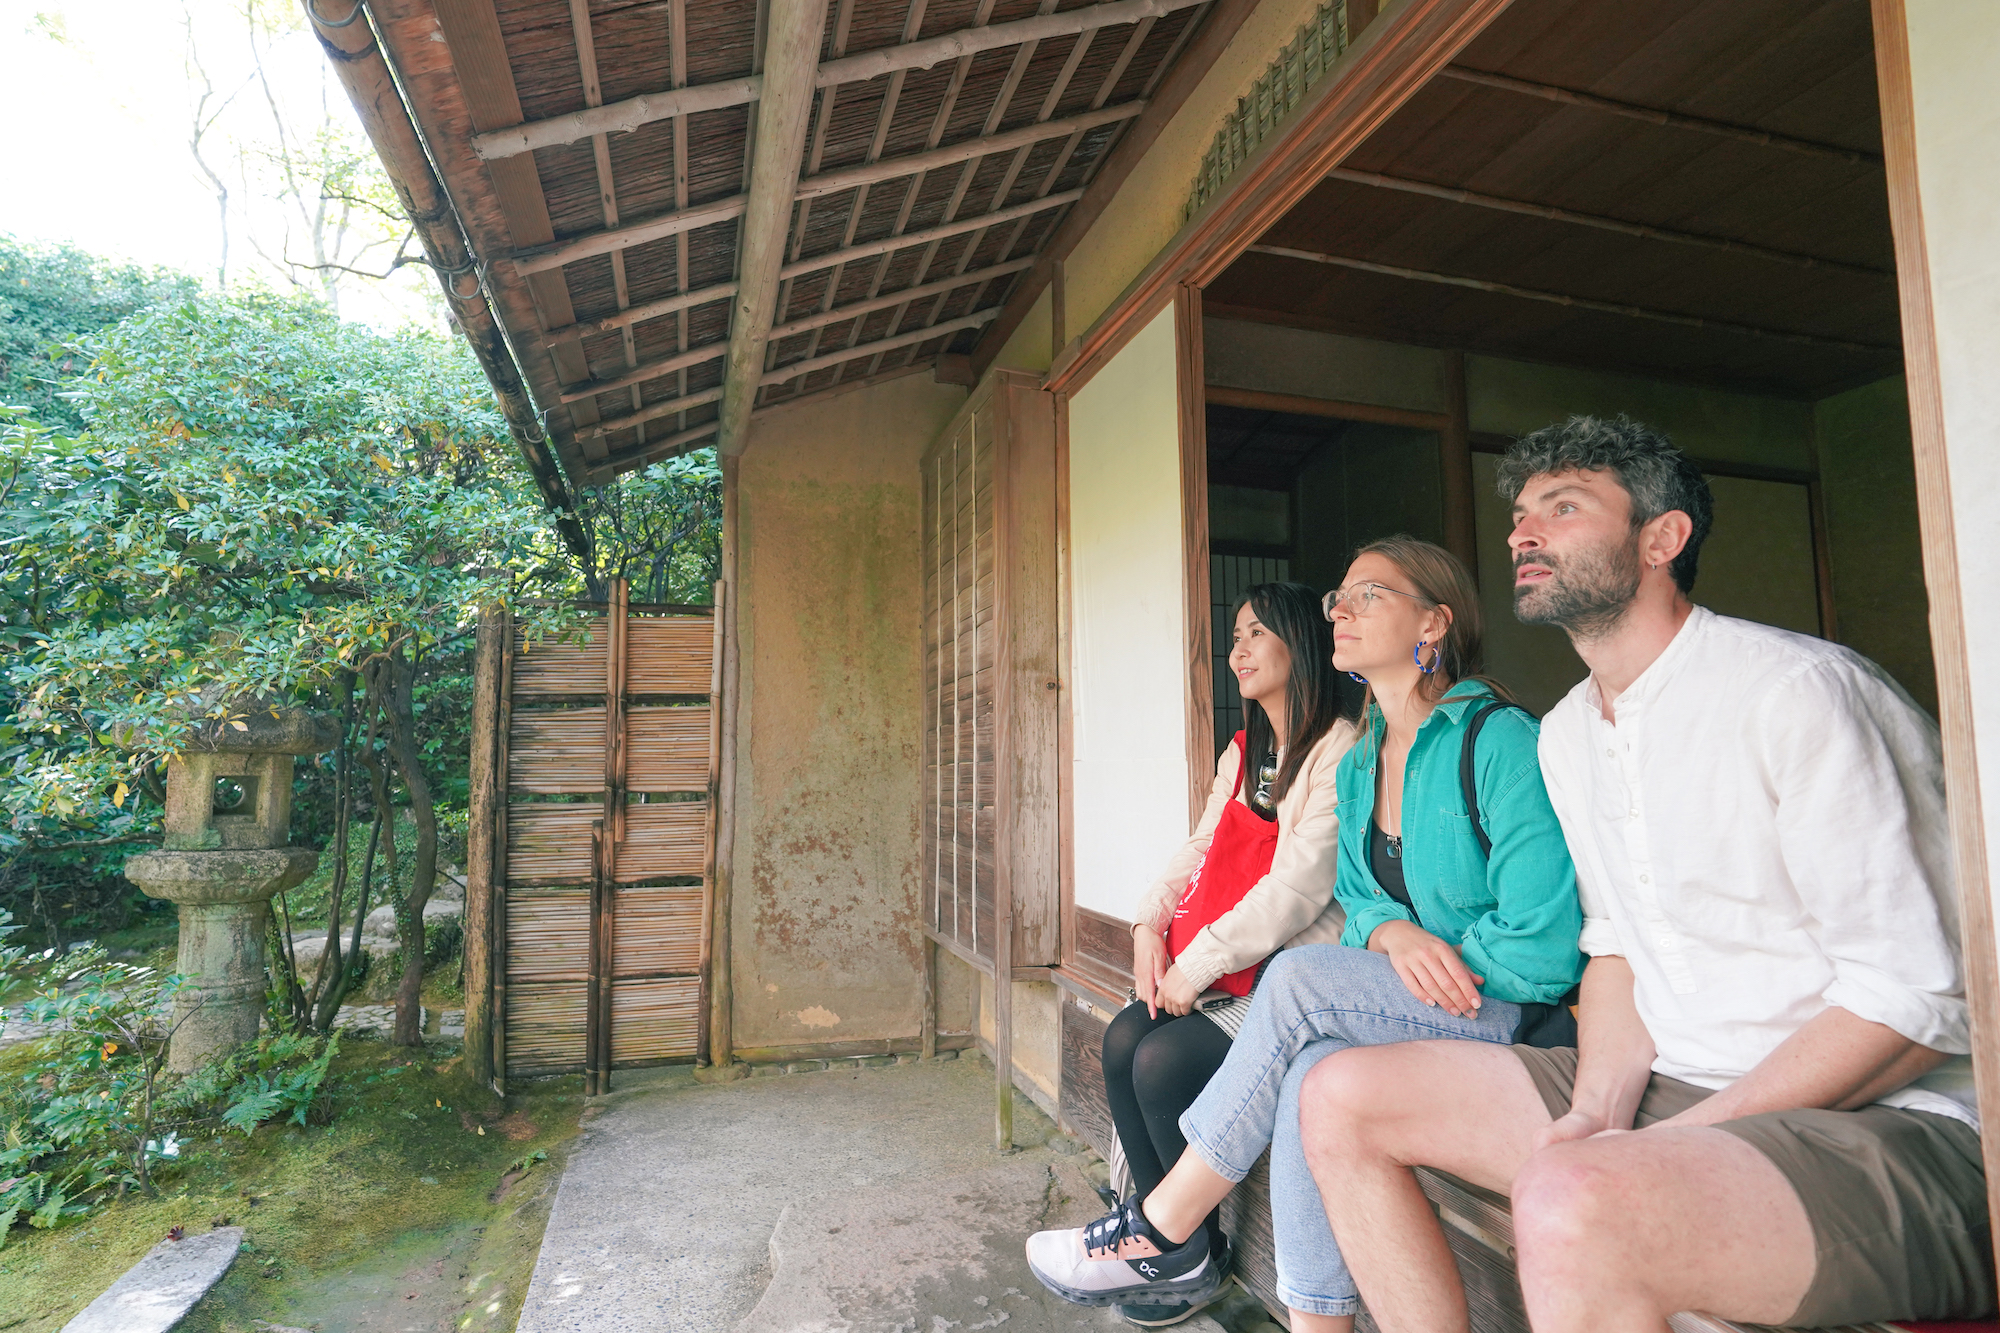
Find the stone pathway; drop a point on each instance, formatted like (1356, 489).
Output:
(865, 1200)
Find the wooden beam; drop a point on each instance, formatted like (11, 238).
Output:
(1642, 230)
(652, 370)
(1257, 400)
(1564, 299)
(941, 287)
(1942, 584)
(638, 314)
(1654, 116)
(784, 374)
(814, 263)
(630, 114)
(792, 37)
(671, 407)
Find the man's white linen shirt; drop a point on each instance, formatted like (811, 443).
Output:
(1761, 834)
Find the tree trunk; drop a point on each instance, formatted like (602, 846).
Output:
(399, 715)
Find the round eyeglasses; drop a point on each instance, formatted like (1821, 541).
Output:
(1361, 599)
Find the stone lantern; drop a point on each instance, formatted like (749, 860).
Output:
(229, 810)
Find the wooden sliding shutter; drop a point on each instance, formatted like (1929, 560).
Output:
(991, 679)
(604, 844)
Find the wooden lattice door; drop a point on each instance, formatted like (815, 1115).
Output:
(603, 838)
(991, 681)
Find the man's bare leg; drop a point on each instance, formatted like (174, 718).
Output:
(1370, 1114)
(1618, 1231)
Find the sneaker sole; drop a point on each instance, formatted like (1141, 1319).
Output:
(1192, 1309)
(1201, 1288)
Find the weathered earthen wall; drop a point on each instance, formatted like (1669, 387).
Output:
(826, 943)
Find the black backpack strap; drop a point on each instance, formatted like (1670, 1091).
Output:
(1468, 782)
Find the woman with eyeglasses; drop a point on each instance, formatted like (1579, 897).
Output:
(1461, 923)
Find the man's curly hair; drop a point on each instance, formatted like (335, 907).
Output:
(1657, 476)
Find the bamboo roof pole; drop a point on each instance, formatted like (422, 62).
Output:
(355, 52)
(792, 38)
(621, 117)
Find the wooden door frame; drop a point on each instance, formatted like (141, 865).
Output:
(1940, 554)
(1397, 53)
(1404, 48)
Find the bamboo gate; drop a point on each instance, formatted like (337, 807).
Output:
(591, 848)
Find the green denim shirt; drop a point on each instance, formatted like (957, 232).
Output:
(1514, 917)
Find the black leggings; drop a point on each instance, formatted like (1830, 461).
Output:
(1154, 1068)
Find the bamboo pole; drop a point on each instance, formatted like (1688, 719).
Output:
(718, 607)
(503, 729)
(630, 114)
(617, 641)
(721, 1036)
(483, 799)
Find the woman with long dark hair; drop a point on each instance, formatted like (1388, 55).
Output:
(1461, 922)
(1256, 876)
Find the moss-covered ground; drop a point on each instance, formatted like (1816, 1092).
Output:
(417, 1206)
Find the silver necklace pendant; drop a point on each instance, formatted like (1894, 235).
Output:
(1395, 846)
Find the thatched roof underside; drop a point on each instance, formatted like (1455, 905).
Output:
(611, 257)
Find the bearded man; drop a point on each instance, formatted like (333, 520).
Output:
(1769, 1116)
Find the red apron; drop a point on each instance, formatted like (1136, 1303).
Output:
(1238, 856)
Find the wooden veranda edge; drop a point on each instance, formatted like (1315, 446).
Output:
(1397, 54)
(1940, 556)
(1217, 29)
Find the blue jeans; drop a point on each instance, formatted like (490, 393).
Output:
(1312, 1001)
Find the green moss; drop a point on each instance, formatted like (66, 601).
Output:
(395, 1207)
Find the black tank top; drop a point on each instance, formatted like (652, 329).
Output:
(1388, 870)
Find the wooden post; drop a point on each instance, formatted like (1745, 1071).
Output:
(721, 998)
(593, 1004)
(1937, 520)
(483, 801)
(1199, 646)
(1461, 536)
(928, 1030)
(718, 609)
(502, 734)
(604, 901)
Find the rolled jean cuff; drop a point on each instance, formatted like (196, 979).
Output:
(1208, 1155)
(1326, 1305)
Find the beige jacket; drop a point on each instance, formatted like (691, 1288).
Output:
(1292, 905)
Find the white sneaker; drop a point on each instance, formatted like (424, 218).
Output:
(1119, 1258)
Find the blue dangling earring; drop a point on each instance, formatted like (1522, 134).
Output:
(1417, 654)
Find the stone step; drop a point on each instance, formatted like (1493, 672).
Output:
(163, 1286)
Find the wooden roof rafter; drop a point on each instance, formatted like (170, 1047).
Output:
(935, 147)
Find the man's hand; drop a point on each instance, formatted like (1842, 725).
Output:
(1431, 968)
(1149, 966)
(1575, 1125)
(1175, 993)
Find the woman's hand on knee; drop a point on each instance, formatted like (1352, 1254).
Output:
(1175, 992)
(1149, 966)
(1431, 968)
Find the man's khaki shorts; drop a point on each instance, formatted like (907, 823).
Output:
(1897, 1198)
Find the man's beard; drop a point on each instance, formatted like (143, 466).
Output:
(1587, 593)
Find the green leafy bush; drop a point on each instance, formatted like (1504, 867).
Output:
(88, 1110)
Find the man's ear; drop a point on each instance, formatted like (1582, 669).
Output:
(1665, 537)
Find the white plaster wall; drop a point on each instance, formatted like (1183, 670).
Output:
(1954, 64)
(1128, 679)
